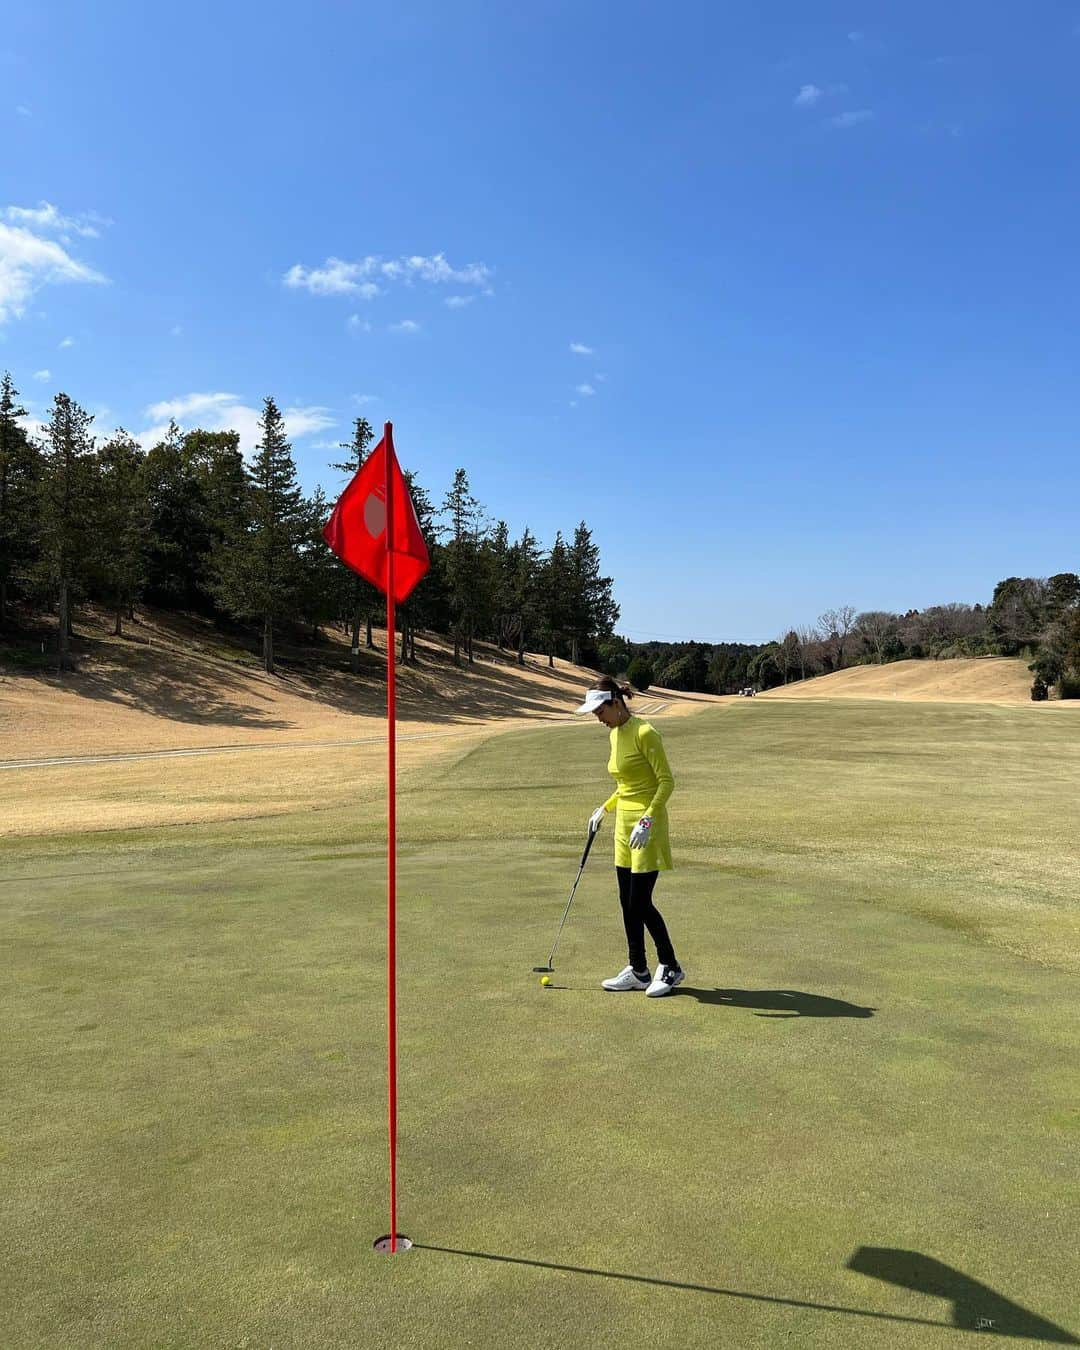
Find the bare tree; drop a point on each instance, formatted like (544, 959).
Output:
(811, 654)
(1017, 613)
(834, 629)
(876, 627)
(786, 656)
(940, 626)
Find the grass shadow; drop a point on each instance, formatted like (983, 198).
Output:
(976, 1307)
(781, 1003)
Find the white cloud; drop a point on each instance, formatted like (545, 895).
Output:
(355, 324)
(45, 216)
(807, 96)
(28, 262)
(333, 278)
(23, 110)
(35, 429)
(459, 301)
(436, 269)
(405, 326)
(42, 374)
(852, 119)
(361, 399)
(64, 343)
(581, 349)
(104, 427)
(226, 412)
(176, 330)
(586, 390)
(598, 376)
(338, 277)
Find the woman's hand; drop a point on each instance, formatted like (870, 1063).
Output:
(596, 819)
(641, 833)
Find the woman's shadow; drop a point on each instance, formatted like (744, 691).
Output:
(783, 1003)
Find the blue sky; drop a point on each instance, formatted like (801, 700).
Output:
(780, 299)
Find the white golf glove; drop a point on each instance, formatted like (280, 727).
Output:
(596, 819)
(641, 833)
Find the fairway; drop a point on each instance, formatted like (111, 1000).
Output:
(857, 1124)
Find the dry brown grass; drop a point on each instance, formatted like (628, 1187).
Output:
(178, 685)
(182, 791)
(983, 679)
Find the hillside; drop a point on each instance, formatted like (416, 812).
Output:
(984, 679)
(176, 682)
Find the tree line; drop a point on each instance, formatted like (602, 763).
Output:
(1036, 618)
(188, 524)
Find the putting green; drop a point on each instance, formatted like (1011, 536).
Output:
(857, 1124)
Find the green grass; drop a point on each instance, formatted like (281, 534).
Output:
(876, 1049)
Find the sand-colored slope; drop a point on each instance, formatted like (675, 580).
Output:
(984, 679)
(307, 738)
(176, 683)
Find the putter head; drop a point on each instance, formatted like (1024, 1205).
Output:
(543, 970)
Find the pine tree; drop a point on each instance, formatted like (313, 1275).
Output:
(499, 582)
(463, 566)
(362, 599)
(179, 536)
(67, 490)
(259, 568)
(321, 574)
(591, 609)
(213, 466)
(20, 471)
(554, 597)
(526, 595)
(421, 607)
(121, 525)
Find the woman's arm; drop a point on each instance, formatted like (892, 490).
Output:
(652, 747)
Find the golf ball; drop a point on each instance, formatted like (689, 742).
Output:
(545, 980)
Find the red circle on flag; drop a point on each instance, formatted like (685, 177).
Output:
(374, 516)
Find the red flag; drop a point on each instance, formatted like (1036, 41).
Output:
(356, 530)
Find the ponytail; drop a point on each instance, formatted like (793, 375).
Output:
(614, 688)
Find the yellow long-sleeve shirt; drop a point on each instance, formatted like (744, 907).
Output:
(644, 782)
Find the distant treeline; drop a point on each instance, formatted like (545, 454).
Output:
(189, 525)
(1036, 618)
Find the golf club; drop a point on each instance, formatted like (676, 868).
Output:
(549, 968)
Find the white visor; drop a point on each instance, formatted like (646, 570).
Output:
(593, 699)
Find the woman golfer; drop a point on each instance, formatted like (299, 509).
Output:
(642, 849)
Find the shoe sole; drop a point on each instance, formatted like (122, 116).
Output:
(626, 989)
(667, 989)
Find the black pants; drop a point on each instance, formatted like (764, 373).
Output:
(639, 913)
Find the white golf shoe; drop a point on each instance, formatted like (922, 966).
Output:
(626, 979)
(664, 981)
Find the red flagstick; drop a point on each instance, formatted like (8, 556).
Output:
(391, 836)
(385, 544)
